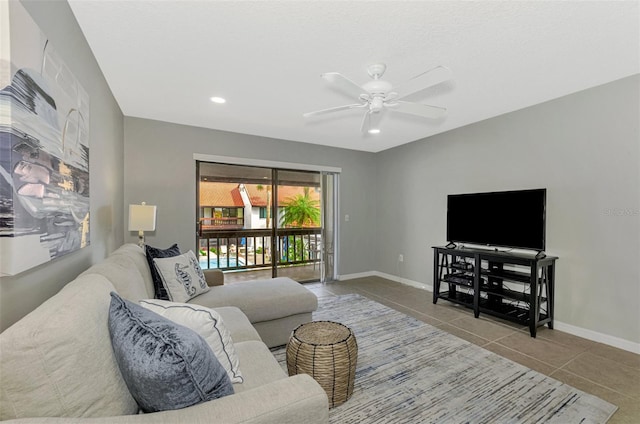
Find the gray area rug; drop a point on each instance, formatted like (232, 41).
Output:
(412, 372)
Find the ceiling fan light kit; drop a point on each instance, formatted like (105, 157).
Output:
(377, 96)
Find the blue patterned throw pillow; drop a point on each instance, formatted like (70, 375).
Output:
(152, 253)
(165, 365)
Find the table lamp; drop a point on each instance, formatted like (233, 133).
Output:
(142, 218)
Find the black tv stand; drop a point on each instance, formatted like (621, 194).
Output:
(512, 286)
(451, 245)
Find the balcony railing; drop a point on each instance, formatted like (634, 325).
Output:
(247, 249)
(217, 223)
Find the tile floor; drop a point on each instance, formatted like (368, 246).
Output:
(609, 373)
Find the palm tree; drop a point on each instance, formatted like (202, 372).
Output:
(301, 211)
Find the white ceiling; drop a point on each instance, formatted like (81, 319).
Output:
(164, 59)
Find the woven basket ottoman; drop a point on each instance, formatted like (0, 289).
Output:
(328, 352)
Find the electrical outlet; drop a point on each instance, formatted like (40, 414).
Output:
(346, 218)
(401, 258)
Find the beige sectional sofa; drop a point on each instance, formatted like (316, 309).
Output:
(57, 362)
(274, 306)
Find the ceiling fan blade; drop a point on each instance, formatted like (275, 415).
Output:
(374, 120)
(344, 83)
(424, 80)
(371, 121)
(418, 109)
(333, 109)
(365, 123)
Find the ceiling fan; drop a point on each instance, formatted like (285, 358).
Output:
(378, 95)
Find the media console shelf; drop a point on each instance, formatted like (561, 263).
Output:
(516, 287)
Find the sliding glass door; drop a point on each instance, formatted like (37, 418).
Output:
(298, 227)
(255, 222)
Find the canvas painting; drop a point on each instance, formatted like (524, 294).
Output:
(44, 148)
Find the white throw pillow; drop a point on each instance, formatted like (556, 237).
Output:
(208, 324)
(181, 276)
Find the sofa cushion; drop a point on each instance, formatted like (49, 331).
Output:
(238, 324)
(262, 300)
(165, 365)
(58, 361)
(208, 324)
(122, 272)
(181, 276)
(153, 253)
(259, 365)
(139, 258)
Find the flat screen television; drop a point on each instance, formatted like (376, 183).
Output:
(513, 219)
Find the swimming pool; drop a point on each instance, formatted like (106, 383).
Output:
(213, 262)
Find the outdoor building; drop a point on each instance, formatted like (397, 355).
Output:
(236, 205)
(222, 205)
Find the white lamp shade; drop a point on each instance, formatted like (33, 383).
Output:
(142, 217)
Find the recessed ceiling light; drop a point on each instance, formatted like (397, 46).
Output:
(374, 131)
(219, 100)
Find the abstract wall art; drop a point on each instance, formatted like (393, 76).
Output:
(44, 148)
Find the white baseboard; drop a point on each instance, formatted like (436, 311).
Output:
(567, 328)
(598, 337)
(357, 275)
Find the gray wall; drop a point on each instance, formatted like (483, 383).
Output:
(22, 293)
(584, 148)
(160, 170)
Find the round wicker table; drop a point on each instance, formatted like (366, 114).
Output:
(328, 352)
